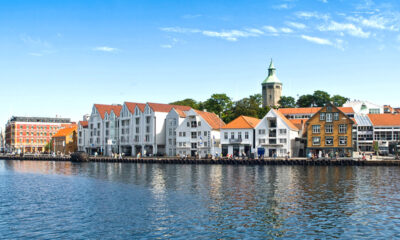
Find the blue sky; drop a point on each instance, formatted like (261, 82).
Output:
(60, 57)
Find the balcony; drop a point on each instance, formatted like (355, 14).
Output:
(235, 140)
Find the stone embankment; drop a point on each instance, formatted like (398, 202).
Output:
(266, 161)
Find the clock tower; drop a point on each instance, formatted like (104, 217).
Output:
(271, 88)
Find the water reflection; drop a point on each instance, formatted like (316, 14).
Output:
(115, 200)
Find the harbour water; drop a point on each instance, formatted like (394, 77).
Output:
(47, 200)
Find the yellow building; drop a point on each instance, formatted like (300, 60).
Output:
(329, 131)
(65, 140)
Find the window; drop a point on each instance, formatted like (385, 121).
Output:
(322, 116)
(180, 134)
(328, 128)
(194, 134)
(316, 128)
(107, 132)
(107, 124)
(246, 135)
(205, 133)
(194, 145)
(147, 139)
(137, 121)
(137, 129)
(329, 109)
(170, 132)
(316, 141)
(342, 140)
(136, 138)
(184, 134)
(225, 135)
(282, 140)
(239, 135)
(193, 124)
(232, 135)
(123, 131)
(342, 128)
(147, 129)
(336, 116)
(328, 140)
(147, 120)
(199, 123)
(329, 117)
(282, 131)
(261, 140)
(188, 124)
(98, 125)
(199, 133)
(261, 131)
(205, 144)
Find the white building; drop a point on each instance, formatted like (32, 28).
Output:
(364, 107)
(199, 134)
(103, 129)
(238, 136)
(83, 135)
(276, 134)
(174, 118)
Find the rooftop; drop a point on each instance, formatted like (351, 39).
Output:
(242, 122)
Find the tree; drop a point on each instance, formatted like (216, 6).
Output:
(187, 102)
(287, 102)
(49, 146)
(338, 100)
(256, 99)
(218, 103)
(305, 101)
(321, 98)
(262, 111)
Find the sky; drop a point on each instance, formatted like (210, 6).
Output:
(58, 58)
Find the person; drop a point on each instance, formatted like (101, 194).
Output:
(274, 155)
(370, 156)
(120, 156)
(320, 154)
(364, 158)
(336, 155)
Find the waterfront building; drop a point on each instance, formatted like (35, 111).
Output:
(174, 118)
(271, 88)
(363, 133)
(83, 135)
(199, 134)
(65, 141)
(386, 128)
(238, 136)
(31, 134)
(307, 113)
(330, 131)
(364, 107)
(103, 129)
(275, 135)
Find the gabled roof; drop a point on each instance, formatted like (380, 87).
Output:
(339, 109)
(298, 123)
(289, 123)
(65, 131)
(180, 112)
(84, 124)
(132, 105)
(103, 109)
(212, 119)
(385, 119)
(310, 110)
(160, 107)
(242, 122)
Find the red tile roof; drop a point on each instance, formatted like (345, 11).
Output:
(132, 105)
(385, 119)
(310, 110)
(299, 123)
(180, 112)
(65, 131)
(160, 107)
(242, 122)
(103, 109)
(289, 123)
(84, 124)
(212, 119)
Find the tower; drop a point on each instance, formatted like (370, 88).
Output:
(271, 88)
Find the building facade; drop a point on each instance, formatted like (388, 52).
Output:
(275, 135)
(31, 134)
(364, 107)
(83, 136)
(329, 131)
(65, 141)
(199, 134)
(238, 136)
(271, 88)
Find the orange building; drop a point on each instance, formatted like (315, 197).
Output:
(65, 140)
(329, 131)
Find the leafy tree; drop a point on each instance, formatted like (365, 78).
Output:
(339, 100)
(256, 99)
(321, 98)
(49, 146)
(187, 102)
(305, 100)
(262, 111)
(218, 103)
(287, 102)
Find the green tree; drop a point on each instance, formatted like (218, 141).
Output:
(287, 102)
(256, 99)
(338, 100)
(321, 98)
(187, 102)
(218, 103)
(49, 146)
(262, 111)
(305, 101)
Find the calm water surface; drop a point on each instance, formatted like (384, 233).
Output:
(48, 200)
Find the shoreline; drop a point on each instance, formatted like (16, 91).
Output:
(224, 161)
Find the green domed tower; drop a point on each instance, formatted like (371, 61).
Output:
(271, 87)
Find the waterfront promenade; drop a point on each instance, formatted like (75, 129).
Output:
(225, 161)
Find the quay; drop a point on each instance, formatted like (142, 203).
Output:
(224, 161)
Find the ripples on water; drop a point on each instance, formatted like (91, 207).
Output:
(47, 200)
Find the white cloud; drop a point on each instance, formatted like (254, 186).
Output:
(281, 6)
(231, 35)
(255, 31)
(349, 28)
(191, 16)
(179, 30)
(389, 22)
(36, 54)
(166, 46)
(105, 49)
(36, 42)
(286, 30)
(270, 29)
(324, 1)
(317, 40)
(308, 15)
(296, 25)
